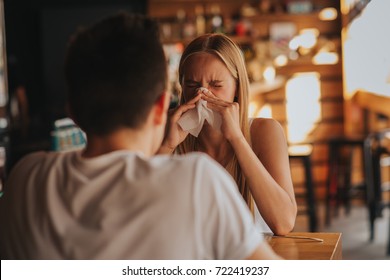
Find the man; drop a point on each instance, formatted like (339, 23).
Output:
(115, 199)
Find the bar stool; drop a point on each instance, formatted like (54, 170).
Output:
(376, 151)
(339, 189)
(303, 154)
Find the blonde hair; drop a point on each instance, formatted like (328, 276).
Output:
(230, 54)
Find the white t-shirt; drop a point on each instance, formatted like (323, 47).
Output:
(123, 205)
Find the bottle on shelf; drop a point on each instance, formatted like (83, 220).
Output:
(299, 7)
(216, 19)
(189, 27)
(265, 6)
(279, 6)
(200, 21)
(180, 17)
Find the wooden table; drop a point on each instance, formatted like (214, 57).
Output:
(306, 249)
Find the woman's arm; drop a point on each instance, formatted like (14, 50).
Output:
(267, 170)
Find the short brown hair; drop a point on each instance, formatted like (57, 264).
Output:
(115, 71)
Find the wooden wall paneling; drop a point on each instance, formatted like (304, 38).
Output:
(373, 102)
(276, 95)
(331, 110)
(320, 153)
(278, 111)
(327, 130)
(331, 88)
(323, 70)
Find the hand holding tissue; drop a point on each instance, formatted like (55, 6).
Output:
(193, 120)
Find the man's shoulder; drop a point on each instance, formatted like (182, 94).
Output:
(196, 159)
(193, 164)
(203, 169)
(36, 160)
(31, 159)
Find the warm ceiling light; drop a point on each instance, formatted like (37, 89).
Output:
(294, 43)
(322, 58)
(328, 14)
(269, 74)
(314, 31)
(307, 39)
(280, 60)
(252, 109)
(265, 112)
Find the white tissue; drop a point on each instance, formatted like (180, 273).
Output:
(193, 120)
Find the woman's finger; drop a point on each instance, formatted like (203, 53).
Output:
(184, 108)
(212, 96)
(181, 110)
(215, 107)
(207, 92)
(196, 98)
(218, 101)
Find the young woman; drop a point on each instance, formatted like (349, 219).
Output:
(254, 151)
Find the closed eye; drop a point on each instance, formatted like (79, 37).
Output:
(192, 84)
(216, 84)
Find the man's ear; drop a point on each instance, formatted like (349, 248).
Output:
(161, 107)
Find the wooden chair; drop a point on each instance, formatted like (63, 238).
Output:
(302, 153)
(339, 187)
(376, 156)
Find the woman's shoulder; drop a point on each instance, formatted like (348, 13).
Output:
(266, 132)
(261, 125)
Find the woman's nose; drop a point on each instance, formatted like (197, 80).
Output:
(202, 89)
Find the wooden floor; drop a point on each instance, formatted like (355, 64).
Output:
(355, 230)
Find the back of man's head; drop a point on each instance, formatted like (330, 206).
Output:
(115, 71)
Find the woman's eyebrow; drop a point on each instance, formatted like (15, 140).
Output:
(215, 81)
(190, 81)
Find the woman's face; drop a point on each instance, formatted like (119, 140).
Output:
(207, 70)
